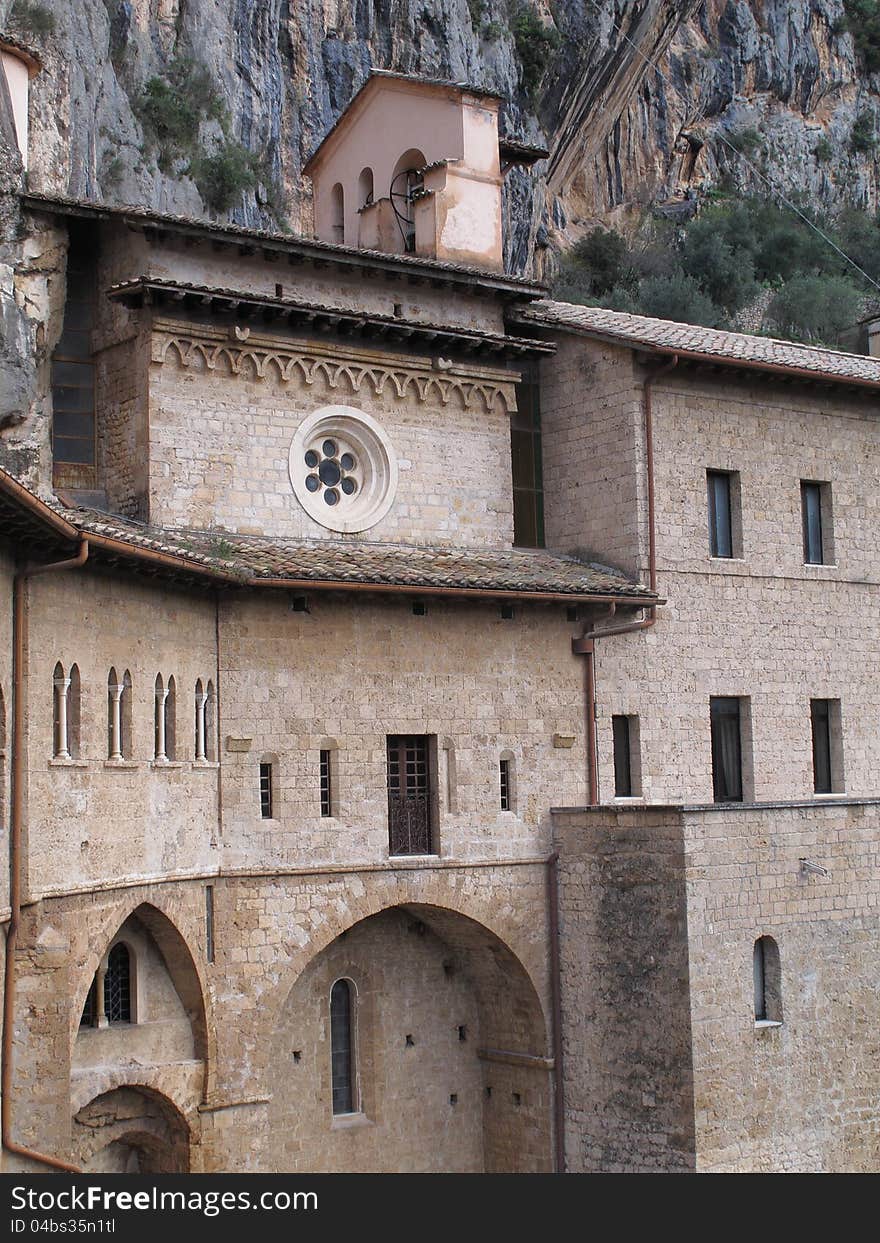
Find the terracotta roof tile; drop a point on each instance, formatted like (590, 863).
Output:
(255, 559)
(691, 340)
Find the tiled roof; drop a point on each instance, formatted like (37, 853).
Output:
(152, 288)
(222, 557)
(692, 341)
(255, 559)
(308, 247)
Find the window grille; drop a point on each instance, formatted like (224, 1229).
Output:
(504, 776)
(409, 795)
(326, 788)
(266, 791)
(117, 985)
(341, 1048)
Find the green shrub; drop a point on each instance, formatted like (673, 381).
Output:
(746, 140)
(604, 255)
(534, 42)
(224, 176)
(724, 273)
(863, 135)
(677, 297)
(172, 108)
(815, 309)
(477, 10)
(862, 20)
(823, 150)
(32, 17)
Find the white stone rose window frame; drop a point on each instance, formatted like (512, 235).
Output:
(343, 469)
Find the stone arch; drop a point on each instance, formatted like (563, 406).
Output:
(181, 967)
(131, 1129)
(452, 1042)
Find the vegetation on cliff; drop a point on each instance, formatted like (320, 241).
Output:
(742, 263)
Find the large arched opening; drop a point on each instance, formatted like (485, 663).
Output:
(414, 1042)
(131, 1130)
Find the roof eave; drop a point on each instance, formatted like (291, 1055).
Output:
(415, 268)
(700, 356)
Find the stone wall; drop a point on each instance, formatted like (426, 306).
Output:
(625, 992)
(7, 570)
(592, 444)
(764, 627)
(96, 821)
(479, 931)
(223, 414)
(343, 678)
(802, 1096)
(661, 909)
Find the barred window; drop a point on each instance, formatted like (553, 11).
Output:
(504, 778)
(326, 786)
(342, 1048)
(117, 985)
(266, 791)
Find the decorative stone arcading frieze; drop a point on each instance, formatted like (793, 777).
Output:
(307, 362)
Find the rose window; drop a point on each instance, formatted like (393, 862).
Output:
(343, 468)
(332, 471)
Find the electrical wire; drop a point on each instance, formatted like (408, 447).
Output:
(778, 194)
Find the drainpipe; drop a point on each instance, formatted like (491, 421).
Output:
(585, 645)
(556, 1005)
(19, 684)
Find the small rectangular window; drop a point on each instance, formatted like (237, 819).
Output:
(827, 746)
(504, 776)
(816, 520)
(266, 791)
(727, 767)
(209, 922)
(526, 464)
(326, 786)
(623, 786)
(721, 534)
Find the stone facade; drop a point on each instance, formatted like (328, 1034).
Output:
(245, 889)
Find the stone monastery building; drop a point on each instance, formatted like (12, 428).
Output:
(439, 726)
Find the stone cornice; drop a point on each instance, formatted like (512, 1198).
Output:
(238, 352)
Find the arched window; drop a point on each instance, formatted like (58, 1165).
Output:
(159, 752)
(210, 724)
(201, 708)
(342, 1066)
(171, 721)
(65, 713)
(118, 716)
(768, 981)
(406, 180)
(205, 730)
(117, 985)
(165, 721)
(337, 212)
(365, 187)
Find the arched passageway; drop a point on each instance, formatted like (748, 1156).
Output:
(131, 1130)
(414, 1042)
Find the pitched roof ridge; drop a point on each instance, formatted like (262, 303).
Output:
(533, 311)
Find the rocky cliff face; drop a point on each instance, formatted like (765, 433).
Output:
(780, 76)
(210, 107)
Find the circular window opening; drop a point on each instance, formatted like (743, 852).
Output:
(343, 469)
